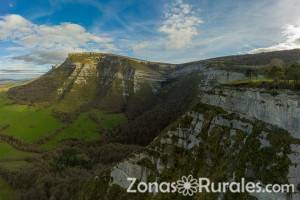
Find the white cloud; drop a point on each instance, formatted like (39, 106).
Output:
(180, 25)
(291, 36)
(18, 69)
(46, 43)
(140, 46)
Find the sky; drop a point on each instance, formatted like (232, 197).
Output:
(36, 34)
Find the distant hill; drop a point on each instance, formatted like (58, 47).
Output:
(107, 81)
(287, 56)
(123, 117)
(114, 82)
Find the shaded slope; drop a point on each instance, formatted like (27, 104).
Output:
(42, 89)
(173, 101)
(93, 79)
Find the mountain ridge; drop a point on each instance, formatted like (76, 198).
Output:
(171, 121)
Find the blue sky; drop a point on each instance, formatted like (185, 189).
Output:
(38, 33)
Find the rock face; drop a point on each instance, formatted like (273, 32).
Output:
(129, 168)
(211, 78)
(210, 142)
(230, 133)
(281, 109)
(233, 133)
(94, 78)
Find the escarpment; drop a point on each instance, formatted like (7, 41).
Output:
(103, 80)
(190, 119)
(281, 109)
(208, 141)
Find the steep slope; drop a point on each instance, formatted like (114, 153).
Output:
(110, 81)
(208, 142)
(102, 80)
(42, 89)
(241, 63)
(185, 119)
(287, 56)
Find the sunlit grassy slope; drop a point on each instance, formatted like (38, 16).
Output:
(9, 153)
(6, 193)
(11, 158)
(88, 126)
(26, 122)
(31, 124)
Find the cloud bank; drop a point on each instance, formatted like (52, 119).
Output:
(180, 25)
(45, 44)
(291, 35)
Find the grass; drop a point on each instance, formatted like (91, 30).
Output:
(7, 152)
(140, 66)
(32, 123)
(26, 122)
(15, 165)
(264, 83)
(107, 120)
(88, 126)
(6, 192)
(83, 57)
(11, 158)
(252, 82)
(82, 128)
(5, 87)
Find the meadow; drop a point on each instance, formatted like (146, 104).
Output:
(36, 126)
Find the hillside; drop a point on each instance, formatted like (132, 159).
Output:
(105, 81)
(81, 129)
(259, 59)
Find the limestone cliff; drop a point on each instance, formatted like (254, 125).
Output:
(227, 132)
(211, 142)
(281, 109)
(106, 80)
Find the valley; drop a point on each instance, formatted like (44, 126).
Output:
(28, 131)
(81, 129)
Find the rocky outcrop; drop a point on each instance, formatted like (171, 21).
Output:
(214, 77)
(130, 168)
(207, 135)
(107, 80)
(281, 109)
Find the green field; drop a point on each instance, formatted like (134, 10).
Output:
(33, 124)
(24, 122)
(13, 159)
(7, 152)
(264, 83)
(6, 193)
(88, 126)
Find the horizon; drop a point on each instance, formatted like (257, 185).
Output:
(23, 75)
(36, 35)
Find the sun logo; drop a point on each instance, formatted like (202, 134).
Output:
(187, 186)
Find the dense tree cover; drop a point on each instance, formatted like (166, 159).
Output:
(80, 170)
(174, 101)
(284, 71)
(62, 174)
(285, 76)
(274, 77)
